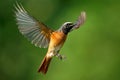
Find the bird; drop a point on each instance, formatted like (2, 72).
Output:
(43, 36)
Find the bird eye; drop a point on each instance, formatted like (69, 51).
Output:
(68, 24)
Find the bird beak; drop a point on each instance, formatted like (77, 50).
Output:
(73, 27)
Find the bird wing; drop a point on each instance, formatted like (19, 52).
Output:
(80, 20)
(36, 32)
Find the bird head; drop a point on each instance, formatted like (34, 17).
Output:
(67, 27)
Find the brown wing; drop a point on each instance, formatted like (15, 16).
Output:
(35, 31)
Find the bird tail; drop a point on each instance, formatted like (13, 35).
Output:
(45, 64)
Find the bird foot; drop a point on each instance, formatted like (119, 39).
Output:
(61, 57)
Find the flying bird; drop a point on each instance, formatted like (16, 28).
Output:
(42, 36)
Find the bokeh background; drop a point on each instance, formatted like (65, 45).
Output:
(93, 51)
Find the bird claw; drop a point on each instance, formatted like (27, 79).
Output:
(61, 57)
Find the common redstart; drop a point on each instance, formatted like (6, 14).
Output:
(42, 36)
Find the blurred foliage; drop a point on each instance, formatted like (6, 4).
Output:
(93, 51)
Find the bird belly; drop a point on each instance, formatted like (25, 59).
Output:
(56, 42)
(57, 39)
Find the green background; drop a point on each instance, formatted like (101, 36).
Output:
(93, 50)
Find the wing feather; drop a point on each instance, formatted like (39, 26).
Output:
(80, 20)
(37, 32)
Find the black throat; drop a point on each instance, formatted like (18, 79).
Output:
(66, 30)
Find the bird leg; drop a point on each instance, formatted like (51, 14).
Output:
(61, 57)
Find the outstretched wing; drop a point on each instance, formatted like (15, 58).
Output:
(80, 20)
(35, 31)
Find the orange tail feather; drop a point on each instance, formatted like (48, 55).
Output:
(45, 64)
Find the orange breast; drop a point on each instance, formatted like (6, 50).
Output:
(57, 39)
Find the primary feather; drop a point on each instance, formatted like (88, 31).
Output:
(35, 31)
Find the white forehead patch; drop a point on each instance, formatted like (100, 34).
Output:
(67, 23)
